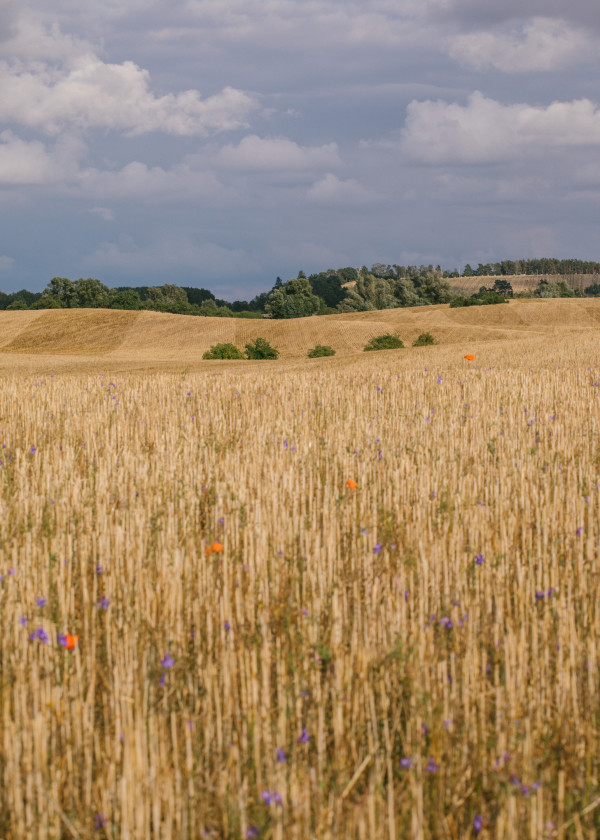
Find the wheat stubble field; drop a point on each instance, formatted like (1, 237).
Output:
(354, 597)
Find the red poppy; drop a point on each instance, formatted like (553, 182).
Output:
(215, 548)
(352, 485)
(70, 641)
(469, 358)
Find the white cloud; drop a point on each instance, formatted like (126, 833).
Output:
(540, 43)
(333, 190)
(486, 131)
(277, 154)
(104, 213)
(93, 94)
(31, 162)
(6, 263)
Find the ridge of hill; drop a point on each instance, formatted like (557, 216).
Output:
(88, 338)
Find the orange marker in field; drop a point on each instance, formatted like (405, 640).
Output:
(352, 485)
(469, 358)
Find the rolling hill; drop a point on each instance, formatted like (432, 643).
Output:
(81, 339)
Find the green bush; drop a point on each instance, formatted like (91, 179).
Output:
(261, 349)
(321, 350)
(424, 340)
(385, 342)
(223, 351)
(17, 304)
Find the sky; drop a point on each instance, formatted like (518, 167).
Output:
(223, 143)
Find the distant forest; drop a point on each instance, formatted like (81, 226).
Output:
(335, 290)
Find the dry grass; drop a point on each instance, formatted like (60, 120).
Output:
(520, 282)
(360, 617)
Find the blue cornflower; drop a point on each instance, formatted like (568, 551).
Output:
(477, 823)
(406, 762)
(304, 738)
(103, 603)
(41, 601)
(168, 661)
(378, 547)
(40, 634)
(281, 757)
(479, 559)
(432, 767)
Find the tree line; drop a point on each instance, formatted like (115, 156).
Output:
(335, 290)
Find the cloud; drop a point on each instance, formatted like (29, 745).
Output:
(6, 263)
(333, 190)
(94, 94)
(295, 24)
(31, 162)
(485, 131)
(136, 180)
(539, 44)
(104, 213)
(254, 153)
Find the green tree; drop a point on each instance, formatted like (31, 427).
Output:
(167, 298)
(503, 287)
(260, 348)
(557, 288)
(406, 293)
(125, 299)
(370, 293)
(294, 299)
(90, 294)
(223, 351)
(328, 286)
(434, 288)
(63, 290)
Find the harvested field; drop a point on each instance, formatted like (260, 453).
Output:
(97, 339)
(521, 282)
(352, 597)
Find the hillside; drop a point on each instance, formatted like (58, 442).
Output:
(111, 339)
(521, 282)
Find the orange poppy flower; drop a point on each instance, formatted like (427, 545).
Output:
(352, 485)
(469, 357)
(215, 548)
(70, 641)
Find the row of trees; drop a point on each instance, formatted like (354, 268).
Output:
(335, 290)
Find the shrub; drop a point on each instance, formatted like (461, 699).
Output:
(385, 342)
(223, 351)
(482, 298)
(424, 340)
(17, 304)
(261, 349)
(321, 350)
(593, 290)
